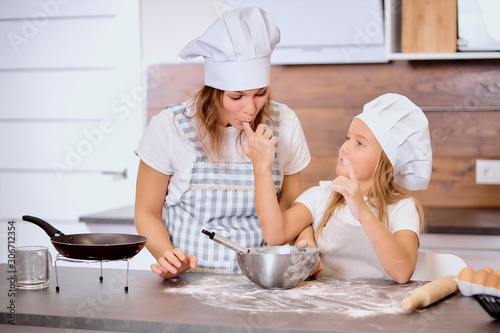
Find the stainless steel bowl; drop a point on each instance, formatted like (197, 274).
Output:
(278, 267)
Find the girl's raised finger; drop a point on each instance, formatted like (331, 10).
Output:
(352, 173)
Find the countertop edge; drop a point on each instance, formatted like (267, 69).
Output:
(115, 325)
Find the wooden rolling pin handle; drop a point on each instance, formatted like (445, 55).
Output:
(430, 292)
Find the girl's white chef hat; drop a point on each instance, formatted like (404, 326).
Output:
(402, 129)
(237, 49)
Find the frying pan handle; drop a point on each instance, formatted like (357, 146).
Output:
(49, 229)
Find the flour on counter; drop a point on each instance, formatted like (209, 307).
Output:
(351, 297)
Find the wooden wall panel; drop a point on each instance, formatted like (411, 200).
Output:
(465, 134)
(325, 128)
(459, 83)
(453, 134)
(453, 184)
(170, 84)
(460, 98)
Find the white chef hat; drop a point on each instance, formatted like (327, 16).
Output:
(237, 49)
(402, 129)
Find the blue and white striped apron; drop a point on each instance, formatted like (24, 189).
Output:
(219, 198)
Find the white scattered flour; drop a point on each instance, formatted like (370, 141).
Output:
(355, 298)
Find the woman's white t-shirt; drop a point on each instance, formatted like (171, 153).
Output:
(168, 151)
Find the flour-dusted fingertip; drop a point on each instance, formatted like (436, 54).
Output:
(352, 173)
(246, 126)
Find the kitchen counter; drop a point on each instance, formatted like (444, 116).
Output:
(201, 302)
(470, 221)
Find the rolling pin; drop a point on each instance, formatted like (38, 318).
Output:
(430, 292)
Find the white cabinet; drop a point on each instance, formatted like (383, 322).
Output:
(324, 32)
(478, 251)
(312, 32)
(392, 15)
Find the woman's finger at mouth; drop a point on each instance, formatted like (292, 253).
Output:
(247, 128)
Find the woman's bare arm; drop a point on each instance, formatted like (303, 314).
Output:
(151, 190)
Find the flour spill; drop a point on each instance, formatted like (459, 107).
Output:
(356, 298)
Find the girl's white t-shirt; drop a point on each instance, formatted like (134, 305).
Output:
(345, 250)
(403, 214)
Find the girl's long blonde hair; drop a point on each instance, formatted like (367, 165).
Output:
(208, 115)
(383, 193)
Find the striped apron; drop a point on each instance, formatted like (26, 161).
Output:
(219, 198)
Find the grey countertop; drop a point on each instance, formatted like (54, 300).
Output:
(471, 221)
(201, 302)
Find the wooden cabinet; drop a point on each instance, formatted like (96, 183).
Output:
(429, 26)
(393, 10)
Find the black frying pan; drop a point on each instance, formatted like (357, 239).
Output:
(91, 246)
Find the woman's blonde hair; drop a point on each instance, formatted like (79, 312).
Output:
(209, 108)
(383, 193)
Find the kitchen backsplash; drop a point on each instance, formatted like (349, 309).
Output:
(460, 99)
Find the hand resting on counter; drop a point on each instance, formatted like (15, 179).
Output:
(173, 263)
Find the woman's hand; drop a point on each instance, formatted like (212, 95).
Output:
(350, 188)
(173, 263)
(259, 147)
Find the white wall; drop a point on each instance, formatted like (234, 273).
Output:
(168, 25)
(72, 106)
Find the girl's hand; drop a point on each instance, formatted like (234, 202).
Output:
(174, 263)
(259, 147)
(319, 266)
(351, 190)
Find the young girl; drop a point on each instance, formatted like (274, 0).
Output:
(363, 224)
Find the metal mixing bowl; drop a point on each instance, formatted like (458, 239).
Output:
(278, 267)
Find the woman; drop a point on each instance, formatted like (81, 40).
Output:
(365, 226)
(193, 172)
